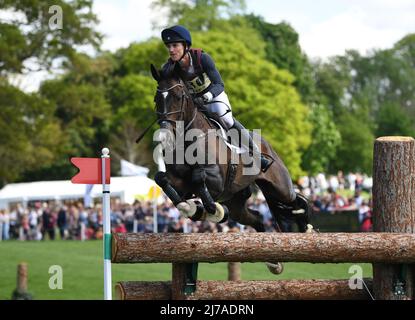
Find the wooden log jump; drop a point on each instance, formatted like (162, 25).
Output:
(391, 248)
(263, 247)
(246, 290)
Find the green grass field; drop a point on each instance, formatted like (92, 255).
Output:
(82, 267)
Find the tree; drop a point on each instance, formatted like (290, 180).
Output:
(28, 36)
(325, 141)
(80, 104)
(31, 136)
(355, 152)
(283, 49)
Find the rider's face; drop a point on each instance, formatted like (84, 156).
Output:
(176, 50)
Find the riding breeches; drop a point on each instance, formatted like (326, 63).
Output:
(221, 108)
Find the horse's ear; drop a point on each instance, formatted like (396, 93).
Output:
(155, 73)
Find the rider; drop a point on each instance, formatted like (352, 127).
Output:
(202, 77)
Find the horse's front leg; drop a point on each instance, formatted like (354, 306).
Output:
(188, 208)
(215, 211)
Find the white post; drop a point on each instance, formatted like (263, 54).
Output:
(135, 226)
(107, 229)
(83, 237)
(155, 229)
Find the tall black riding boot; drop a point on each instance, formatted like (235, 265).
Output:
(252, 147)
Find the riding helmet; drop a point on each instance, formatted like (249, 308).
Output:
(176, 34)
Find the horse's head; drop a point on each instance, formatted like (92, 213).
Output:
(174, 106)
(173, 101)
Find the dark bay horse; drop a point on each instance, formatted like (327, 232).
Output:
(221, 185)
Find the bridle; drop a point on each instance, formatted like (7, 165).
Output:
(163, 116)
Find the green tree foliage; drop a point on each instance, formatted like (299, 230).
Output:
(38, 130)
(80, 104)
(28, 36)
(30, 134)
(355, 152)
(326, 139)
(369, 96)
(283, 49)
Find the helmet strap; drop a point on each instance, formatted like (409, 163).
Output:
(185, 51)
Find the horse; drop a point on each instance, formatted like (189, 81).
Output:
(221, 186)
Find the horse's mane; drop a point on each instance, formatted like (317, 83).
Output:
(171, 72)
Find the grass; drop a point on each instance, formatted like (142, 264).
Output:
(82, 268)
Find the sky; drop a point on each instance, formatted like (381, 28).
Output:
(325, 27)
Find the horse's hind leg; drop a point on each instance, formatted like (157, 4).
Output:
(281, 197)
(239, 212)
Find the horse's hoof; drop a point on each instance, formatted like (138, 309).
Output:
(187, 209)
(218, 215)
(275, 268)
(310, 229)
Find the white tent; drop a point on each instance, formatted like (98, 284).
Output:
(126, 188)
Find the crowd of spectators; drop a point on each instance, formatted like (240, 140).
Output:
(337, 193)
(71, 220)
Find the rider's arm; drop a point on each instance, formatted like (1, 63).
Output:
(217, 86)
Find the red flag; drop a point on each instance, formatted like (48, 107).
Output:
(90, 170)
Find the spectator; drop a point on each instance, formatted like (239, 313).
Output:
(62, 222)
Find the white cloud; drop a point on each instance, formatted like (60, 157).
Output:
(348, 30)
(123, 22)
(328, 27)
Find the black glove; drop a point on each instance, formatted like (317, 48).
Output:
(199, 102)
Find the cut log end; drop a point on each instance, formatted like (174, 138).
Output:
(394, 139)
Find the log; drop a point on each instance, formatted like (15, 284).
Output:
(263, 247)
(394, 209)
(143, 290)
(248, 290)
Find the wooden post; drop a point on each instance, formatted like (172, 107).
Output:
(20, 293)
(234, 268)
(394, 210)
(184, 278)
(22, 277)
(234, 271)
